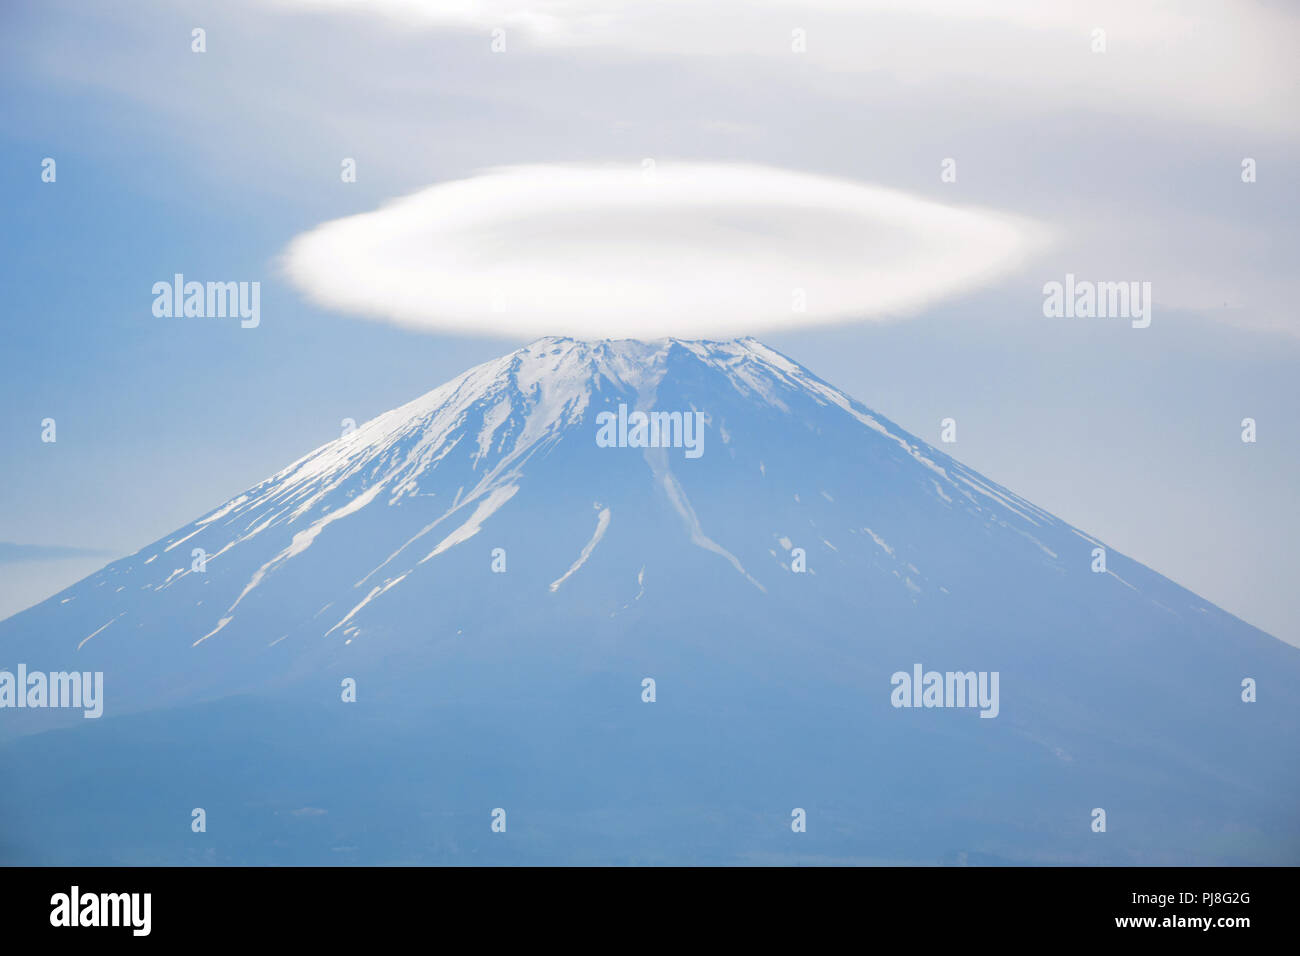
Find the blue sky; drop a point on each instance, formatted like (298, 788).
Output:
(170, 161)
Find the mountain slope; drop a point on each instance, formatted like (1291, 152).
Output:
(372, 558)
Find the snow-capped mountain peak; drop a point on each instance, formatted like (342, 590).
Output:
(502, 563)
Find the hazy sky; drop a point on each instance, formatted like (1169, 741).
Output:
(1113, 166)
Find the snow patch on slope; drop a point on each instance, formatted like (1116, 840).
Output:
(602, 522)
(486, 508)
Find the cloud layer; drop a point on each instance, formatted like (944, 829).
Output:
(11, 552)
(676, 249)
(1204, 59)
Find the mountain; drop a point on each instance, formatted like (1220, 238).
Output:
(497, 569)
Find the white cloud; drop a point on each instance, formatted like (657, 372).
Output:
(681, 249)
(1230, 64)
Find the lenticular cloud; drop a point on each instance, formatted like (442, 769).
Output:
(680, 249)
